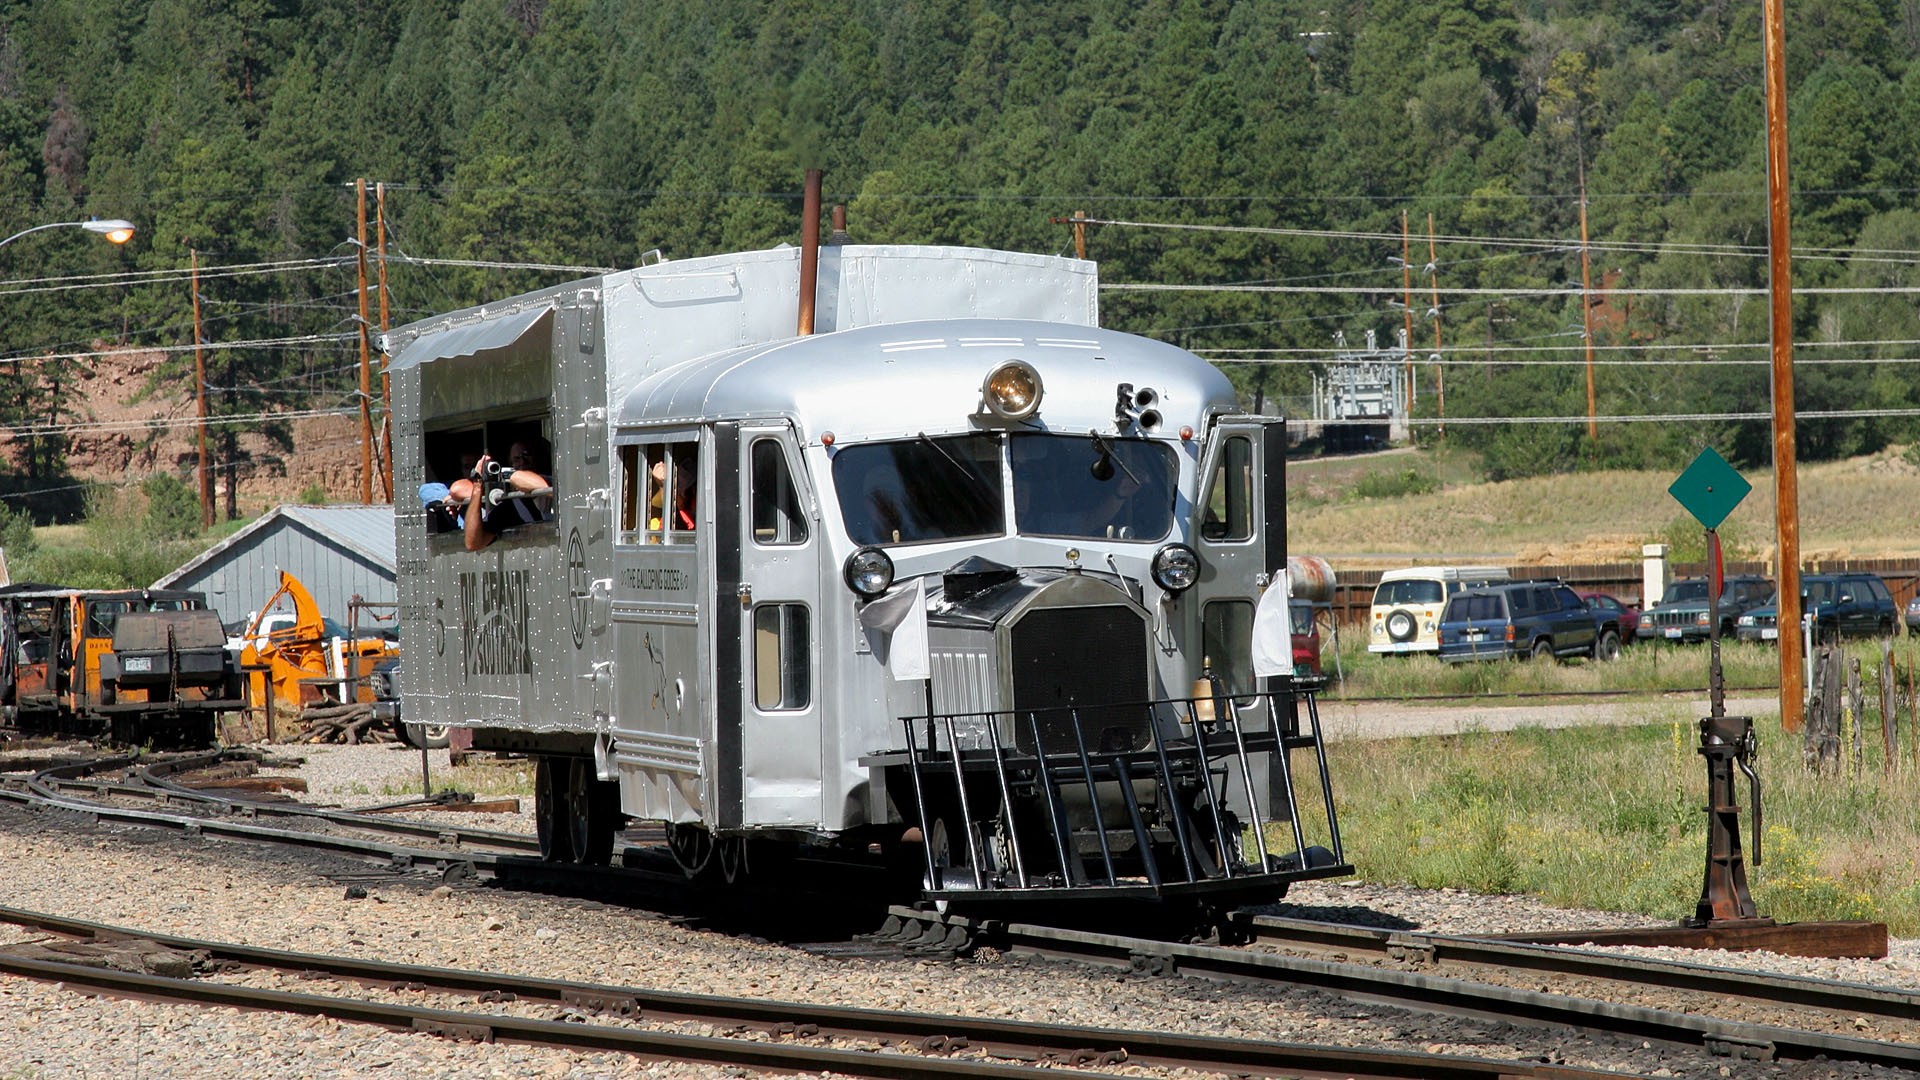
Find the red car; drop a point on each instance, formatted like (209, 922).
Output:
(1306, 638)
(1626, 615)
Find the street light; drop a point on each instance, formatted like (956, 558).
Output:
(115, 230)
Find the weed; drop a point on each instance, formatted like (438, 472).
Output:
(1611, 819)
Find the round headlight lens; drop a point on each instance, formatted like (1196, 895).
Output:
(1176, 568)
(869, 572)
(1012, 390)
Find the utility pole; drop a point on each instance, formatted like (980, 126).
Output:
(1080, 234)
(200, 392)
(1406, 303)
(366, 354)
(386, 377)
(1439, 367)
(1586, 306)
(1786, 482)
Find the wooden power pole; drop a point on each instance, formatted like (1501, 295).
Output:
(366, 354)
(200, 391)
(1786, 482)
(386, 377)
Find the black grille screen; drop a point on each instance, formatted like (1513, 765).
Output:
(1092, 658)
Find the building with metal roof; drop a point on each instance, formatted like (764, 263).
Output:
(337, 552)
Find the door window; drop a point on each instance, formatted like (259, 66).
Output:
(1226, 643)
(782, 647)
(776, 505)
(1230, 493)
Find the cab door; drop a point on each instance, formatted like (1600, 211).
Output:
(1240, 533)
(772, 599)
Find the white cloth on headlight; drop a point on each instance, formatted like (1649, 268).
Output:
(896, 625)
(1273, 629)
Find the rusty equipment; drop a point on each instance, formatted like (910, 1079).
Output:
(300, 670)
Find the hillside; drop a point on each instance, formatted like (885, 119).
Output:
(1859, 508)
(141, 434)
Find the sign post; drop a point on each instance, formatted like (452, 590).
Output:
(1709, 489)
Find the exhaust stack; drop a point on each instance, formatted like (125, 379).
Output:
(809, 251)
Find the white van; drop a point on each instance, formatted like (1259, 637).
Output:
(1407, 603)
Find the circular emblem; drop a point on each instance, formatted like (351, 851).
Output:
(578, 587)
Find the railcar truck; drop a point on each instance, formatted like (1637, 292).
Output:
(884, 548)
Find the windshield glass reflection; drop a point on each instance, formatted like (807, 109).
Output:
(1092, 488)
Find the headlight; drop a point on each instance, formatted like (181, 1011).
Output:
(1176, 568)
(1746, 620)
(1012, 390)
(869, 572)
(1700, 619)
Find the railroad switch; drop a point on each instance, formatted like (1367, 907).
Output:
(1727, 742)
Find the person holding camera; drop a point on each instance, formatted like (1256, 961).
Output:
(519, 492)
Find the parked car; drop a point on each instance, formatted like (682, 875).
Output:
(1624, 615)
(1681, 615)
(386, 708)
(1407, 602)
(1841, 605)
(1913, 614)
(1524, 619)
(1306, 639)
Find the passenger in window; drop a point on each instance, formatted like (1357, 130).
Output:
(519, 492)
(683, 485)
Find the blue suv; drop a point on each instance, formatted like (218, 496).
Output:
(1522, 619)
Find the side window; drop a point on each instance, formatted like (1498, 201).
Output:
(775, 503)
(1879, 590)
(1226, 643)
(101, 617)
(782, 646)
(1230, 493)
(668, 485)
(630, 474)
(1568, 599)
(683, 469)
(1521, 601)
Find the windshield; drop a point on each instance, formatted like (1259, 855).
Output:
(1086, 488)
(1683, 592)
(921, 489)
(1409, 591)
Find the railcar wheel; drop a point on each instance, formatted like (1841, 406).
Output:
(692, 847)
(551, 810)
(593, 809)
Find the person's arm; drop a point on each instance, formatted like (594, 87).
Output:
(477, 535)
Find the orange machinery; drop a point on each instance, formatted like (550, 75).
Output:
(300, 660)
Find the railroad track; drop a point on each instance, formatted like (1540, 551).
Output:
(1419, 972)
(789, 1036)
(1418, 990)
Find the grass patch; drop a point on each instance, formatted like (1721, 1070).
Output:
(1612, 819)
(1858, 507)
(1651, 667)
(481, 777)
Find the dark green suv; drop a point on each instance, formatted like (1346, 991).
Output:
(1681, 615)
(1840, 605)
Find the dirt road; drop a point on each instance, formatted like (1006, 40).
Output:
(1391, 720)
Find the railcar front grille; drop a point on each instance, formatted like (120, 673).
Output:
(1090, 659)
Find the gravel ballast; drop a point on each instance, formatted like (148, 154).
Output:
(165, 883)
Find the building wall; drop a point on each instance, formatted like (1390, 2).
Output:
(244, 576)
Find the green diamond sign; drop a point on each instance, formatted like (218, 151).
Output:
(1710, 488)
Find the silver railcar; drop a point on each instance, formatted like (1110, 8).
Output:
(958, 575)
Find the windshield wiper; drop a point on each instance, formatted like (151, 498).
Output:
(1104, 447)
(955, 462)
